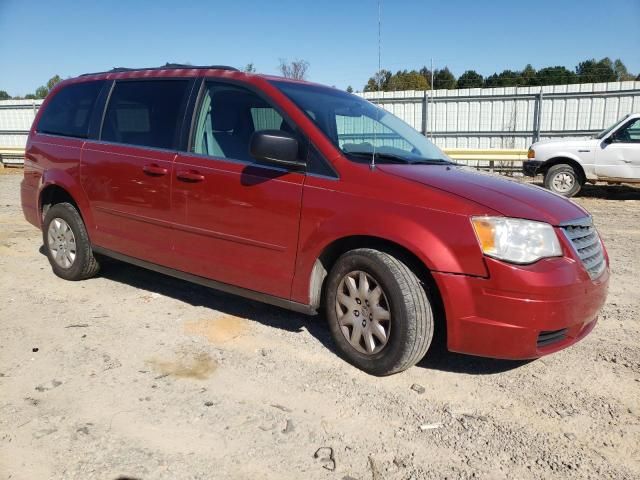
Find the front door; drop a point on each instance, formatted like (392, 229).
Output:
(239, 218)
(127, 173)
(619, 155)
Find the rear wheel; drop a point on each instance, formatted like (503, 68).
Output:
(378, 312)
(67, 245)
(563, 179)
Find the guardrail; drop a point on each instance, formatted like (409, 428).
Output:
(11, 156)
(506, 161)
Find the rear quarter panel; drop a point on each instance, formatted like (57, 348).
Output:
(54, 160)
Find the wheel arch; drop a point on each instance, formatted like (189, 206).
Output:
(53, 194)
(57, 188)
(559, 160)
(330, 254)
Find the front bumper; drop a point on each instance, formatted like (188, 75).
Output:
(521, 312)
(531, 167)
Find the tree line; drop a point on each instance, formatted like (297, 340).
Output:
(588, 71)
(41, 92)
(296, 69)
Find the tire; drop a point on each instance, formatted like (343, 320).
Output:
(409, 329)
(563, 179)
(68, 249)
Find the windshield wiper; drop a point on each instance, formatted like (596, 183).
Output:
(380, 156)
(392, 157)
(433, 161)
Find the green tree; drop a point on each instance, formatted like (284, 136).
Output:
(529, 76)
(52, 82)
(4, 95)
(350, 89)
(405, 80)
(444, 79)
(557, 75)
(41, 92)
(470, 79)
(592, 71)
(249, 68)
(622, 74)
(44, 90)
(379, 81)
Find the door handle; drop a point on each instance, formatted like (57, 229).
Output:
(154, 170)
(191, 176)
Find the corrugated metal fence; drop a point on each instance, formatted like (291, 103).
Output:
(513, 117)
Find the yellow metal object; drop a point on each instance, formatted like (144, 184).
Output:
(488, 154)
(11, 150)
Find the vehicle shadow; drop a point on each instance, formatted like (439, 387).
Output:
(197, 295)
(610, 192)
(605, 192)
(438, 357)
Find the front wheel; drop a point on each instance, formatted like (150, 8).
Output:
(563, 179)
(378, 312)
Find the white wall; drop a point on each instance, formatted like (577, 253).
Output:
(504, 117)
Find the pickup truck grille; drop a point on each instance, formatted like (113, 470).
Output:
(586, 242)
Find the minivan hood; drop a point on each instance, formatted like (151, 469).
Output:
(507, 197)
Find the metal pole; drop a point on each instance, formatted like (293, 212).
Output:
(431, 106)
(537, 117)
(424, 113)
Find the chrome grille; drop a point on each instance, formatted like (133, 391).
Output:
(586, 243)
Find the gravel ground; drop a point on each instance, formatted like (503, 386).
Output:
(137, 375)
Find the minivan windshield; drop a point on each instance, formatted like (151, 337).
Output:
(604, 132)
(361, 129)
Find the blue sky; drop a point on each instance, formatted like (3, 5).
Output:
(339, 38)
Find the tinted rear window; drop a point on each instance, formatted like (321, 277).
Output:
(146, 113)
(69, 111)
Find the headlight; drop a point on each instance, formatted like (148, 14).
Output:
(515, 240)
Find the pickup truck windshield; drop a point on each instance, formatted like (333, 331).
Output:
(607, 130)
(359, 128)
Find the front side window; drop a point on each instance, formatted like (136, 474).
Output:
(69, 111)
(630, 133)
(227, 118)
(359, 128)
(146, 113)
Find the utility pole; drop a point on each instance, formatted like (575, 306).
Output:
(431, 103)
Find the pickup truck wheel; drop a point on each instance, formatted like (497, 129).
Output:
(378, 312)
(67, 245)
(563, 180)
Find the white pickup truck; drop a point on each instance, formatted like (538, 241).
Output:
(611, 156)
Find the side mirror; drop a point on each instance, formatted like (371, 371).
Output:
(275, 147)
(608, 140)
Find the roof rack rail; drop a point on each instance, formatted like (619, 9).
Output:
(165, 66)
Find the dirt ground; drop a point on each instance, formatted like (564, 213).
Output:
(137, 375)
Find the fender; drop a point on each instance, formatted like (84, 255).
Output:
(442, 241)
(64, 180)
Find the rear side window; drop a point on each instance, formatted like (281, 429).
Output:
(146, 113)
(69, 111)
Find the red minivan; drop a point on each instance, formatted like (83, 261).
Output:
(312, 199)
